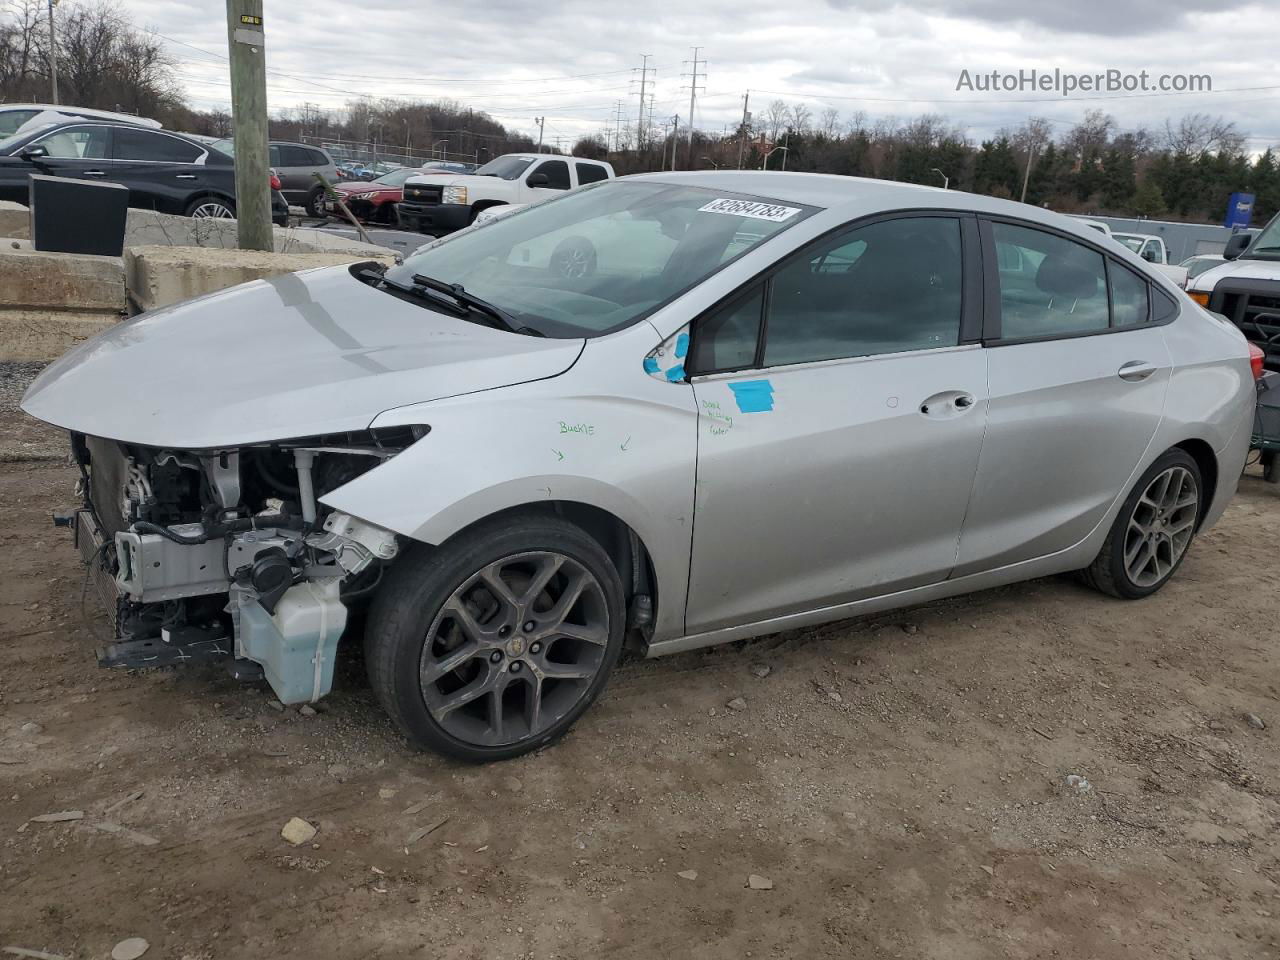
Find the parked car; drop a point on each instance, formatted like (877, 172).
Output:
(16, 116)
(1098, 225)
(1200, 263)
(164, 171)
(374, 200)
(780, 399)
(1245, 288)
(439, 203)
(1152, 249)
(296, 164)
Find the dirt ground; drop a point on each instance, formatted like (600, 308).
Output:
(900, 781)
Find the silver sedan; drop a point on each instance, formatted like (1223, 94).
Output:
(681, 408)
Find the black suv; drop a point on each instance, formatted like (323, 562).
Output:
(163, 171)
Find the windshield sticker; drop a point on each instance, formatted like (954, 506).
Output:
(750, 208)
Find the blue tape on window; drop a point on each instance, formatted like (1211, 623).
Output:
(676, 373)
(650, 364)
(753, 396)
(682, 346)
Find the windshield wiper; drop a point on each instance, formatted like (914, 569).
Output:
(472, 302)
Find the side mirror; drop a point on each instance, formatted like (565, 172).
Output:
(1237, 245)
(538, 180)
(34, 153)
(1151, 255)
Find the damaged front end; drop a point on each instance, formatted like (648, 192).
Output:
(208, 554)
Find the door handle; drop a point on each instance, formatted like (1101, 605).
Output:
(1136, 370)
(949, 403)
(95, 173)
(184, 176)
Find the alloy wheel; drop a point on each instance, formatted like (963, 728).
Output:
(514, 648)
(212, 209)
(1161, 526)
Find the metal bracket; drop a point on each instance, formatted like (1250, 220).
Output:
(154, 652)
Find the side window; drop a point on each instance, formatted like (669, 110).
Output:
(887, 287)
(727, 339)
(291, 156)
(1151, 252)
(273, 156)
(556, 172)
(590, 173)
(318, 159)
(1128, 297)
(144, 145)
(1048, 285)
(77, 143)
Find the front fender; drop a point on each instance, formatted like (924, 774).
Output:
(625, 444)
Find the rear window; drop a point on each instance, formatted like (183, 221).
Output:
(591, 173)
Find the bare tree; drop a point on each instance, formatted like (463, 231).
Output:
(775, 119)
(1199, 133)
(829, 123)
(801, 118)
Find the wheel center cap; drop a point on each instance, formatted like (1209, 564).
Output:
(515, 646)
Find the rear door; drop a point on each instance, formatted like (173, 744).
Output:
(161, 171)
(841, 403)
(294, 171)
(1078, 370)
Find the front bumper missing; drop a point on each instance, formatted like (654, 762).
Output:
(184, 645)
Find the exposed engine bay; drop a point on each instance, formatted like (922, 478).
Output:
(228, 553)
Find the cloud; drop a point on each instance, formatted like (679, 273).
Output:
(517, 59)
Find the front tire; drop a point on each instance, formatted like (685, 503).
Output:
(1153, 531)
(312, 204)
(493, 644)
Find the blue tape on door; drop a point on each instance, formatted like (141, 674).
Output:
(753, 396)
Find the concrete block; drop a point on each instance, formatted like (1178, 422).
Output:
(149, 228)
(60, 281)
(158, 276)
(44, 335)
(15, 220)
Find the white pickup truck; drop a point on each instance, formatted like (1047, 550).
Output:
(1245, 288)
(441, 203)
(1152, 249)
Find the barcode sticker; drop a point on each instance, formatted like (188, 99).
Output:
(750, 208)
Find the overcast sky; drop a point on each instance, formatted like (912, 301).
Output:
(573, 61)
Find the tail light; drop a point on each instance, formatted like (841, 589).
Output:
(275, 182)
(1256, 358)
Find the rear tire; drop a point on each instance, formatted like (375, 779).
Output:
(493, 644)
(1153, 531)
(213, 208)
(312, 204)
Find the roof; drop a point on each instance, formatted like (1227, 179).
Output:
(84, 112)
(859, 196)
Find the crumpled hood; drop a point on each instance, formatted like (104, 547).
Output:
(292, 356)
(1240, 269)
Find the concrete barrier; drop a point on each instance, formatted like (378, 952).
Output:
(148, 228)
(15, 220)
(161, 275)
(51, 301)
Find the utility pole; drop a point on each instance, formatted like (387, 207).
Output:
(746, 121)
(248, 62)
(645, 70)
(675, 138)
(53, 53)
(540, 121)
(1026, 177)
(693, 97)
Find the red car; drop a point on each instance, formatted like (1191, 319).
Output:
(375, 200)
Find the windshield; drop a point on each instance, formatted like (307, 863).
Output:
(601, 257)
(1267, 244)
(11, 120)
(508, 168)
(227, 146)
(396, 178)
(1130, 241)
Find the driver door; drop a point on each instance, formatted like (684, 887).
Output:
(82, 151)
(842, 402)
